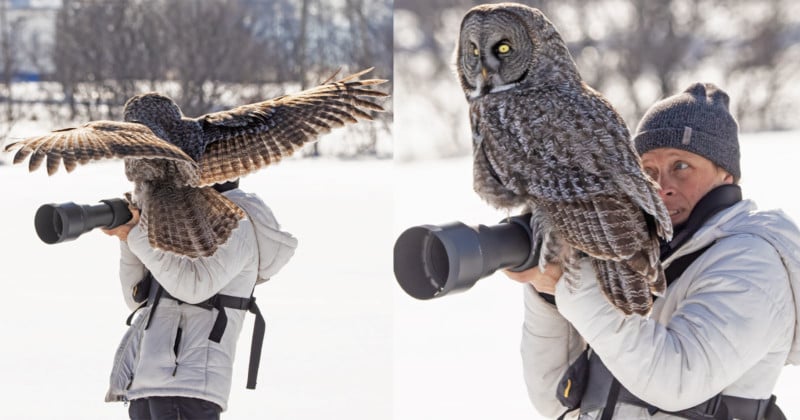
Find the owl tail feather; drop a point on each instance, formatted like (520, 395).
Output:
(625, 288)
(189, 221)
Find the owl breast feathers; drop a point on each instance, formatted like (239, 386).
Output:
(173, 160)
(544, 140)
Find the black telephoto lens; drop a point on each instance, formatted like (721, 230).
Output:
(56, 223)
(431, 261)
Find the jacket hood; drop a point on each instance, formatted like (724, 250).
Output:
(775, 227)
(275, 247)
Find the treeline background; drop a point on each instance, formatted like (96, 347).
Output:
(71, 61)
(633, 51)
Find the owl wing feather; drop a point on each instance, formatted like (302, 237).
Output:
(247, 138)
(644, 192)
(95, 141)
(589, 182)
(633, 181)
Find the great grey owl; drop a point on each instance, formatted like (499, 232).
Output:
(173, 160)
(545, 140)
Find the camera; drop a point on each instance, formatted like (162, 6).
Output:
(431, 261)
(56, 223)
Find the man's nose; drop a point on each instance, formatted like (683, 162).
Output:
(666, 188)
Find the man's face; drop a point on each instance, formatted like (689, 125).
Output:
(684, 178)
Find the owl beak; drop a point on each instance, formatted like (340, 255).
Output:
(484, 74)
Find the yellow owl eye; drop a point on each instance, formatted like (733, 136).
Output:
(503, 48)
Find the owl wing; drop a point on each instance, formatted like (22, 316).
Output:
(630, 178)
(610, 210)
(244, 139)
(644, 192)
(94, 141)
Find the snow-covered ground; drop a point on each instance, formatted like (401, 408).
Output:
(328, 348)
(457, 357)
(343, 340)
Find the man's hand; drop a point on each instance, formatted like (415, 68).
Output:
(122, 231)
(543, 282)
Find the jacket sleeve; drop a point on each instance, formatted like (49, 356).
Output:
(731, 315)
(194, 280)
(131, 272)
(549, 345)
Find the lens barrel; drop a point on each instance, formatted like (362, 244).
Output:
(431, 261)
(56, 223)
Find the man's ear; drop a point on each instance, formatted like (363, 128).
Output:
(728, 179)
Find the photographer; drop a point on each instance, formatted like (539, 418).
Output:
(176, 360)
(715, 343)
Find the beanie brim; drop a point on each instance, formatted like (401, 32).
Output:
(709, 146)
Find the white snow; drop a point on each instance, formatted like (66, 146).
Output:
(457, 357)
(343, 340)
(327, 352)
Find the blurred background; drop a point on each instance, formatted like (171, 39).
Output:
(458, 357)
(71, 61)
(327, 351)
(632, 51)
(343, 341)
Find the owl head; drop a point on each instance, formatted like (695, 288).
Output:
(158, 112)
(507, 44)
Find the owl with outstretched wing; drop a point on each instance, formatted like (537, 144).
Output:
(173, 161)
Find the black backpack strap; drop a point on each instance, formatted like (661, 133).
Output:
(220, 302)
(259, 329)
(746, 408)
(130, 317)
(712, 409)
(159, 292)
(611, 400)
(719, 407)
(677, 267)
(772, 411)
(139, 294)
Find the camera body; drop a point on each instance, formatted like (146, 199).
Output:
(56, 223)
(431, 261)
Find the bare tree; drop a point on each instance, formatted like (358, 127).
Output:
(635, 51)
(302, 42)
(210, 54)
(9, 61)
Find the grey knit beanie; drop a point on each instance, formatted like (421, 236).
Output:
(697, 121)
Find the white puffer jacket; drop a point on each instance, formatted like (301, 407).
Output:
(728, 324)
(148, 363)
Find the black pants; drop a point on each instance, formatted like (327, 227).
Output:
(173, 408)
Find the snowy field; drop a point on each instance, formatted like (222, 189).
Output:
(457, 357)
(328, 347)
(343, 340)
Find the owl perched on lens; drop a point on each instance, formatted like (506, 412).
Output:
(174, 161)
(545, 140)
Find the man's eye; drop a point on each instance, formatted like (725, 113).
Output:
(679, 165)
(651, 173)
